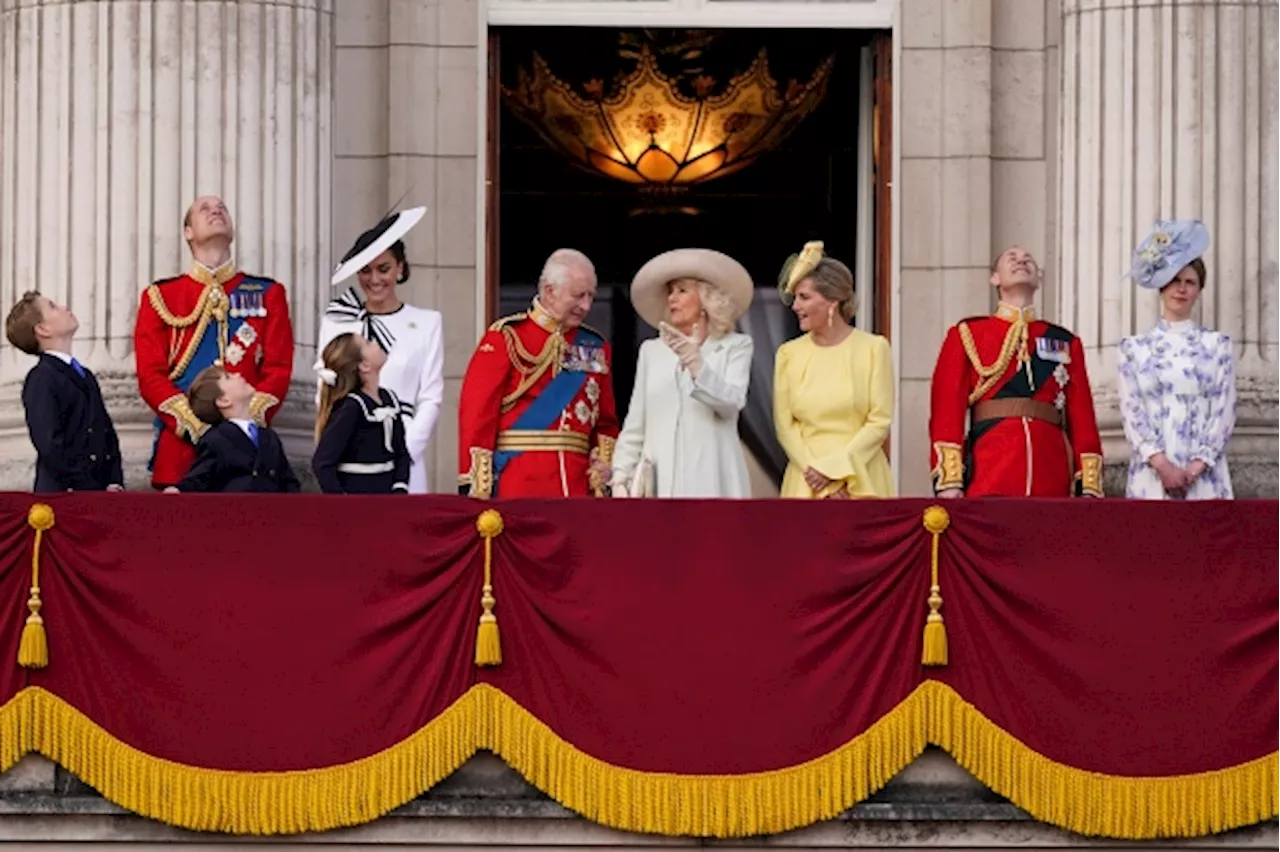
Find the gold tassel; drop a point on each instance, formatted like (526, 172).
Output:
(33, 650)
(488, 640)
(936, 521)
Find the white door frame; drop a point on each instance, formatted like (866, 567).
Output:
(718, 14)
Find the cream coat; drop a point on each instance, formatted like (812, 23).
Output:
(688, 428)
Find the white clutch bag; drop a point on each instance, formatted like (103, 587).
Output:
(642, 479)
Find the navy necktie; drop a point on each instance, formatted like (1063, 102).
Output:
(78, 367)
(253, 433)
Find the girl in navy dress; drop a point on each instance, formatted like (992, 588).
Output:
(360, 443)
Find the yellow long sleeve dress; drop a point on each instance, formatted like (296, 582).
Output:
(832, 406)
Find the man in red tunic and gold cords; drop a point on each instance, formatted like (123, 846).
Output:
(214, 313)
(536, 416)
(1011, 412)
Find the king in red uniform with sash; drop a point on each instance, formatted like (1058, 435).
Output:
(536, 417)
(212, 314)
(1021, 384)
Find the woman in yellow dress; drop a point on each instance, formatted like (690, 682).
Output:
(832, 388)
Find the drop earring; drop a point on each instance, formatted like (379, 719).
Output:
(831, 315)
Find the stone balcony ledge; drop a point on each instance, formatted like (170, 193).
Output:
(932, 803)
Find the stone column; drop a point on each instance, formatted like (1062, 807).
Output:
(1169, 110)
(113, 118)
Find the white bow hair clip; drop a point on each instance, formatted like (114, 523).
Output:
(329, 377)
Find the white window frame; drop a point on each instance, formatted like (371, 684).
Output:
(727, 14)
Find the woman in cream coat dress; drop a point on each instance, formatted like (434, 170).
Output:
(680, 438)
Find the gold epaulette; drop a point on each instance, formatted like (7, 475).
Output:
(499, 324)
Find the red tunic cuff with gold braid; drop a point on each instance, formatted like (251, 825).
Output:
(1088, 479)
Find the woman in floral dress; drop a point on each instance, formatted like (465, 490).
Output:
(1177, 381)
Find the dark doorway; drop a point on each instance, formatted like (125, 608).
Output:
(805, 189)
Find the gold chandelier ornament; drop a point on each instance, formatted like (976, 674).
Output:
(647, 132)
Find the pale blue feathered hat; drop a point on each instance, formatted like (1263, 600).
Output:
(1170, 246)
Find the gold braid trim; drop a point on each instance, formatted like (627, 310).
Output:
(260, 803)
(530, 366)
(479, 477)
(171, 319)
(260, 404)
(1090, 475)
(185, 420)
(949, 472)
(605, 446)
(1015, 343)
(212, 305)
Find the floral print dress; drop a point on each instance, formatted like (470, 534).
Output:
(1178, 397)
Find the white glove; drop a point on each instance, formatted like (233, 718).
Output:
(619, 489)
(688, 349)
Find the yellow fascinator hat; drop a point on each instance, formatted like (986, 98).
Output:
(796, 267)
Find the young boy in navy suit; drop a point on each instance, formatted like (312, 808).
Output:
(76, 444)
(234, 453)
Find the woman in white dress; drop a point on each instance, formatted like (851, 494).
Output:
(412, 337)
(1177, 381)
(680, 438)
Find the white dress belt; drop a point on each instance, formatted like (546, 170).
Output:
(366, 467)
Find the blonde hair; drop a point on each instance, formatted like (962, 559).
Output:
(834, 281)
(343, 355)
(715, 304)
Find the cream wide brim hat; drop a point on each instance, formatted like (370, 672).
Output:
(649, 289)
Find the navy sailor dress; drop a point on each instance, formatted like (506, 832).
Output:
(362, 449)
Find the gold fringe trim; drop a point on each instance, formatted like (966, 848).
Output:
(15, 729)
(1091, 803)
(762, 803)
(258, 803)
(700, 805)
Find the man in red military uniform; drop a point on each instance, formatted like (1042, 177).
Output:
(214, 314)
(1022, 385)
(536, 417)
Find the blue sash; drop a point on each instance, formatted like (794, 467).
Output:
(546, 409)
(206, 353)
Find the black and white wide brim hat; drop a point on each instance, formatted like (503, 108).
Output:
(375, 241)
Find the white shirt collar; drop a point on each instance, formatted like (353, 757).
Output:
(243, 424)
(61, 356)
(1177, 325)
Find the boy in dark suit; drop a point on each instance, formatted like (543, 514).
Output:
(234, 453)
(76, 444)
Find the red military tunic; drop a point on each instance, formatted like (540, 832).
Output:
(191, 322)
(535, 406)
(1023, 385)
